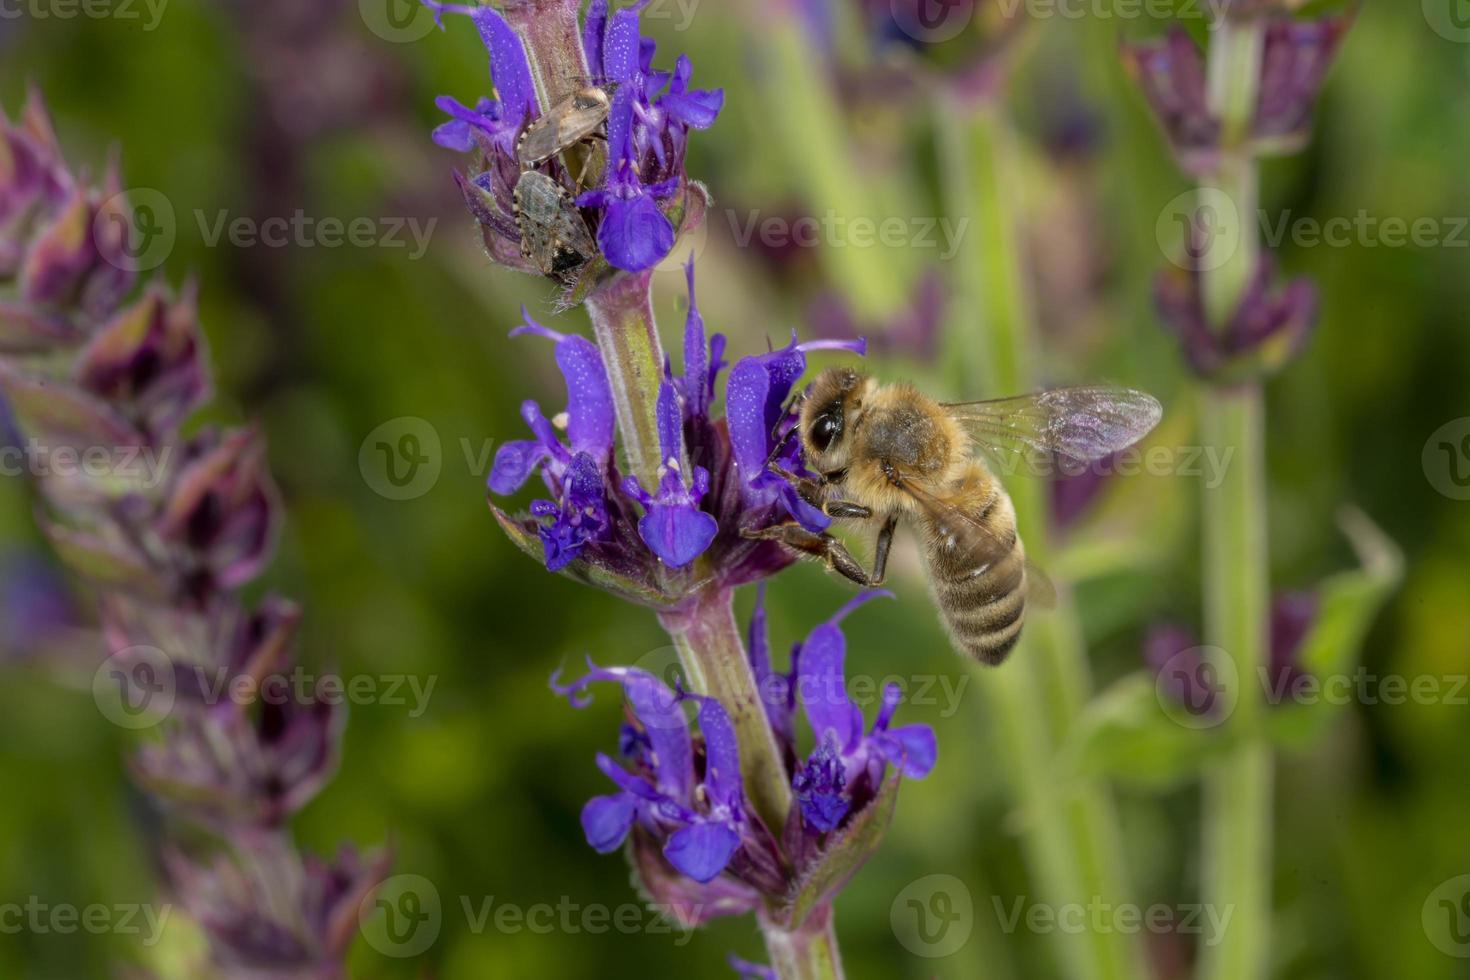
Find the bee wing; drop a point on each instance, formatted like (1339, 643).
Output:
(1083, 424)
(974, 537)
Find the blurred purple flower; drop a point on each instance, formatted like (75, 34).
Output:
(1171, 651)
(1268, 329)
(268, 911)
(1294, 63)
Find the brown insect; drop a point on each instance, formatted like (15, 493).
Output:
(576, 120)
(554, 235)
(888, 453)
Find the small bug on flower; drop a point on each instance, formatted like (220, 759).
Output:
(570, 124)
(553, 233)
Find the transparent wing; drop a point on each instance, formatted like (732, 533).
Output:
(974, 537)
(1083, 424)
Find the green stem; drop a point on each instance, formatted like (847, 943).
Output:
(809, 131)
(1237, 791)
(810, 953)
(1072, 838)
(712, 653)
(627, 336)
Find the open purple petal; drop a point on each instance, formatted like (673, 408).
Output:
(912, 748)
(620, 53)
(514, 463)
(606, 821)
(722, 757)
(594, 30)
(635, 235)
(821, 687)
(703, 850)
(677, 533)
(509, 68)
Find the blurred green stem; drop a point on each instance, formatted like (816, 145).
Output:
(815, 145)
(1072, 837)
(1237, 575)
(810, 953)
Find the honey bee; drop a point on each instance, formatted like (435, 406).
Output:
(888, 453)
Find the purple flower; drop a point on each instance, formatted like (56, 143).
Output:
(641, 199)
(674, 526)
(848, 765)
(1268, 328)
(761, 424)
(302, 931)
(702, 819)
(578, 474)
(714, 486)
(1292, 617)
(695, 840)
(1295, 59)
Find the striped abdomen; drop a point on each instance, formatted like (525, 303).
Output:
(979, 580)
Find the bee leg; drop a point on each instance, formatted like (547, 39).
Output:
(846, 510)
(880, 555)
(824, 547)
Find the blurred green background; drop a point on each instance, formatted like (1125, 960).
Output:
(260, 109)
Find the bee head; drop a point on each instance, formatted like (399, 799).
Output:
(829, 412)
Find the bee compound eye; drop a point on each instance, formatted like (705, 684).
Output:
(824, 430)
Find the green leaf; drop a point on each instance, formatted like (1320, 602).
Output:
(1347, 605)
(1125, 733)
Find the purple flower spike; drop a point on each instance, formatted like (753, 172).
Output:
(674, 527)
